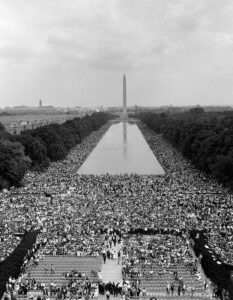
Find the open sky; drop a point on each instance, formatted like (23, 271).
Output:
(74, 52)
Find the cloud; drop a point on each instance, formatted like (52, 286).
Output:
(172, 47)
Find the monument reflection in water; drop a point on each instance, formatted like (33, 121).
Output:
(125, 138)
(122, 150)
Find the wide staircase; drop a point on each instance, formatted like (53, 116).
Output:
(54, 268)
(155, 284)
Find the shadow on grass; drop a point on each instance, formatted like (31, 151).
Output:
(12, 265)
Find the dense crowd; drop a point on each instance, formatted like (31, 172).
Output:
(164, 250)
(73, 210)
(76, 285)
(158, 256)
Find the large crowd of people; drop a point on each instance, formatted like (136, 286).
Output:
(159, 257)
(73, 210)
(76, 285)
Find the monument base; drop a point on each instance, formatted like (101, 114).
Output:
(124, 116)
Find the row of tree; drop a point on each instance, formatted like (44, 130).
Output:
(204, 138)
(37, 148)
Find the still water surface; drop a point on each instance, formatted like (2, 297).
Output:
(122, 150)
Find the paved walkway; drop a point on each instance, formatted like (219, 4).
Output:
(111, 270)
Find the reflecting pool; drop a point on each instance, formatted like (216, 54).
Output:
(122, 150)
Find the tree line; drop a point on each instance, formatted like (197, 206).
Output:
(38, 147)
(205, 138)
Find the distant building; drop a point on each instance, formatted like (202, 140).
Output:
(18, 127)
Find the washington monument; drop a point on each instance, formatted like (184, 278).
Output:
(124, 98)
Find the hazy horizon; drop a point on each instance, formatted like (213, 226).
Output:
(74, 53)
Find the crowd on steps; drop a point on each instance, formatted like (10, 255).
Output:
(76, 212)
